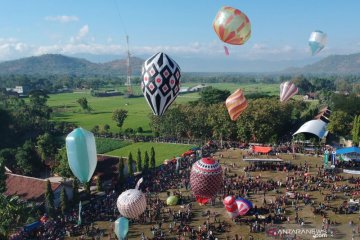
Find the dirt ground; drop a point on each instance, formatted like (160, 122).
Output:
(341, 230)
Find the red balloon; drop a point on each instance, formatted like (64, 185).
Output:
(205, 179)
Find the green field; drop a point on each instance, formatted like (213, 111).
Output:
(162, 150)
(67, 109)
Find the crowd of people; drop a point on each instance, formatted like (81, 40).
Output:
(292, 192)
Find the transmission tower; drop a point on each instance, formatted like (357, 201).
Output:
(128, 64)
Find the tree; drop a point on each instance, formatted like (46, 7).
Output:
(119, 116)
(2, 178)
(7, 157)
(356, 131)
(152, 160)
(99, 184)
(76, 196)
(339, 123)
(139, 161)
(121, 177)
(130, 165)
(64, 201)
(27, 159)
(49, 199)
(95, 129)
(46, 146)
(146, 162)
(211, 95)
(14, 214)
(63, 168)
(84, 104)
(106, 128)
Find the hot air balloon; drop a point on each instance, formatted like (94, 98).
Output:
(231, 206)
(236, 103)
(317, 41)
(205, 179)
(160, 82)
(81, 153)
(121, 228)
(232, 26)
(172, 200)
(287, 90)
(132, 202)
(244, 205)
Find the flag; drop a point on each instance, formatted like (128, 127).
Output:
(79, 220)
(226, 51)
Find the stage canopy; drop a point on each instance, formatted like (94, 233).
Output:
(348, 150)
(316, 127)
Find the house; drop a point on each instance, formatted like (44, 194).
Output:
(22, 91)
(33, 189)
(310, 96)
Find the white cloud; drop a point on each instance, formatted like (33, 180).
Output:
(84, 30)
(62, 18)
(11, 48)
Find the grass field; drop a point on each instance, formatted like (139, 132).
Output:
(162, 150)
(342, 229)
(67, 109)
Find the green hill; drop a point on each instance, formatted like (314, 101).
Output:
(334, 64)
(57, 64)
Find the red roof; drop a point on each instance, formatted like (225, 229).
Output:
(260, 149)
(27, 188)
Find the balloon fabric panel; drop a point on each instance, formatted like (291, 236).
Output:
(232, 26)
(121, 227)
(81, 152)
(160, 82)
(317, 41)
(236, 103)
(287, 90)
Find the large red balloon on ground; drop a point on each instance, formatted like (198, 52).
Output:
(205, 179)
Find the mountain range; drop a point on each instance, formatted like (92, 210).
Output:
(56, 64)
(334, 64)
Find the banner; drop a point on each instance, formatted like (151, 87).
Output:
(333, 155)
(326, 158)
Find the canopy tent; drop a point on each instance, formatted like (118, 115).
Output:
(348, 150)
(259, 149)
(316, 127)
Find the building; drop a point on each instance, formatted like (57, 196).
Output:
(23, 91)
(33, 189)
(196, 88)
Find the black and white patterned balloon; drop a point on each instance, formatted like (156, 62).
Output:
(160, 82)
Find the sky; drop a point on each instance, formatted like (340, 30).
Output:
(96, 29)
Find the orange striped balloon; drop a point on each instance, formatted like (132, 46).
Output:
(236, 103)
(232, 26)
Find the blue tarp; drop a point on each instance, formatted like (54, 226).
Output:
(348, 150)
(32, 226)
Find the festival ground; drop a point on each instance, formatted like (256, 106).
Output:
(340, 230)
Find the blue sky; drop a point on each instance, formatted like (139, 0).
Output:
(183, 29)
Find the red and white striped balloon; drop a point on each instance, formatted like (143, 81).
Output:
(287, 90)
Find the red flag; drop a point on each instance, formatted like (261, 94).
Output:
(226, 51)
